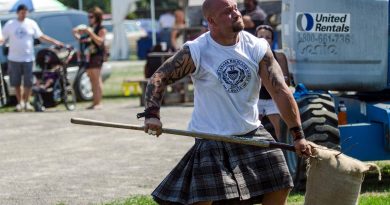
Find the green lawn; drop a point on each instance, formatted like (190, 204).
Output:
(113, 85)
(373, 192)
(293, 199)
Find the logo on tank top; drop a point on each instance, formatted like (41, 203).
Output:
(234, 75)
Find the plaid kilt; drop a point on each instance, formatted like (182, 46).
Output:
(225, 172)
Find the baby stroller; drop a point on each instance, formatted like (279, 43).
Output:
(52, 85)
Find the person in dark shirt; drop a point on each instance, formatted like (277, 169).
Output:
(96, 33)
(266, 105)
(46, 84)
(253, 16)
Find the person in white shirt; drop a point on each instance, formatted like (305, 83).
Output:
(1, 36)
(166, 21)
(20, 34)
(227, 65)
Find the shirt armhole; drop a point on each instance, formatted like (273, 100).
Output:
(263, 47)
(195, 56)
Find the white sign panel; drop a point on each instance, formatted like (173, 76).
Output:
(323, 22)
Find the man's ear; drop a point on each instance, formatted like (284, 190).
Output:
(211, 21)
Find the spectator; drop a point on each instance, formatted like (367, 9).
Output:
(177, 35)
(166, 21)
(266, 105)
(252, 15)
(83, 54)
(96, 33)
(1, 36)
(45, 85)
(20, 34)
(226, 66)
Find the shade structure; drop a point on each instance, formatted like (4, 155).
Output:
(120, 47)
(33, 5)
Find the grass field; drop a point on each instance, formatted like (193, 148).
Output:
(133, 70)
(293, 199)
(373, 192)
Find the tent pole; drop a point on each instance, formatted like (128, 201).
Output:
(80, 5)
(153, 16)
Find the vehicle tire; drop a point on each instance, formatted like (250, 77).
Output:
(268, 126)
(82, 86)
(319, 123)
(10, 100)
(3, 94)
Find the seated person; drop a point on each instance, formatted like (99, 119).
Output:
(46, 84)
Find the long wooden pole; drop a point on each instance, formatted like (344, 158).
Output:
(231, 139)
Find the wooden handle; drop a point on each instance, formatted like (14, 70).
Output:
(207, 136)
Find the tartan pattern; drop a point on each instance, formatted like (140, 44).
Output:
(214, 171)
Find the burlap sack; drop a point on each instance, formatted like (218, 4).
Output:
(334, 178)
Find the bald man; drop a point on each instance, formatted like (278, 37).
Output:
(226, 65)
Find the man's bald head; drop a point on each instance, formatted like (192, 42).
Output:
(222, 16)
(207, 7)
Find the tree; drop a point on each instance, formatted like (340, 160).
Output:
(143, 7)
(105, 5)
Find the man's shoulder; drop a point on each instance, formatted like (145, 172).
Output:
(10, 22)
(248, 36)
(250, 39)
(199, 40)
(30, 21)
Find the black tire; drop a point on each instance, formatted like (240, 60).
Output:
(11, 100)
(319, 123)
(3, 94)
(82, 86)
(67, 94)
(268, 126)
(69, 99)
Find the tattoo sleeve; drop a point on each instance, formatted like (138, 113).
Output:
(271, 73)
(272, 78)
(173, 69)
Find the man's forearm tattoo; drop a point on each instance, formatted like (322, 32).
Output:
(175, 68)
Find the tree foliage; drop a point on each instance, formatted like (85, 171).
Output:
(143, 6)
(87, 4)
(161, 6)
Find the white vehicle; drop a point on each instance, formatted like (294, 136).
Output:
(134, 32)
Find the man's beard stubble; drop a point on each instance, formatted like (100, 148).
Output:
(238, 26)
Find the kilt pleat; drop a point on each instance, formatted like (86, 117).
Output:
(215, 171)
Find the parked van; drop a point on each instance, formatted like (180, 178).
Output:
(59, 25)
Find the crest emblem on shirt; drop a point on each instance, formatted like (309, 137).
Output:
(234, 75)
(20, 32)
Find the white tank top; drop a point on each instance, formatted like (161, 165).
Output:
(226, 84)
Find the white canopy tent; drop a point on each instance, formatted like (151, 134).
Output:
(9, 6)
(119, 9)
(120, 46)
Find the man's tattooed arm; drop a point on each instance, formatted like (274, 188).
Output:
(272, 78)
(173, 69)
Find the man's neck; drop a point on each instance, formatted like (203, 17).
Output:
(21, 19)
(225, 40)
